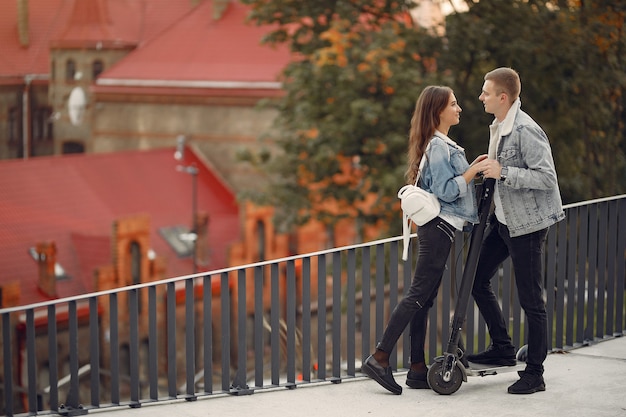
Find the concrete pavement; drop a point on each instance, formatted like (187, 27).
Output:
(589, 381)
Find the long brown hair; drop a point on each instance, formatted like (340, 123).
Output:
(426, 117)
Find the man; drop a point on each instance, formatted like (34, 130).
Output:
(527, 202)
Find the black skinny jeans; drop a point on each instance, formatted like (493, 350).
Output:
(435, 240)
(526, 254)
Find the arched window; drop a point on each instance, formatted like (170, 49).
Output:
(96, 69)
(260, 229)
(135, 263)
(135, 269)
(70, 70)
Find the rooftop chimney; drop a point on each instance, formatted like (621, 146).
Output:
(46, 260)
(22, 22)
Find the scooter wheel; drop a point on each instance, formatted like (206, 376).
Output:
(522, 353)
(439, 385)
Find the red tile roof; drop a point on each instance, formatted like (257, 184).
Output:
(70, 21)
(90, 23)
(74, 199)
(201, 50)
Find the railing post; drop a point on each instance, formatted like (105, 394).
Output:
(73, 407)
(114, 348)
(336, 315)
(306, 319)
(134, 347)
(290, 314)
(208, 333)
(321, 316)
(94, 351)
(8, 364)
(239, 385)
(33, 405)
(171, 339)
(53, 355)
(190, 339)
(153, 361)
(351, 311)
(367, 302)
(258, 325)
(274, 325)
(226, 323)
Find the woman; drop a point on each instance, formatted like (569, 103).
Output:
(448, 175)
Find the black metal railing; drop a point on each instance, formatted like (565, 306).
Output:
(286, 322)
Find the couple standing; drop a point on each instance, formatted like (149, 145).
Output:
(527, 202)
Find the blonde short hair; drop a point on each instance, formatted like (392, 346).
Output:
(506, 81)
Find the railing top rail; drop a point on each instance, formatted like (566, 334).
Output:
(596, 201)
(248, 266)
(197, 275)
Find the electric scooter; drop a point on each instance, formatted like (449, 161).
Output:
(448, 372)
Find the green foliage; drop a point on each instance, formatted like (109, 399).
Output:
(343, 123)
(350, 94)
(570, 59)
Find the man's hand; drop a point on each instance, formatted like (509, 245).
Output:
(490, 168)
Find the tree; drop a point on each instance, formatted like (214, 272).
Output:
(343, 123)
(569, 56)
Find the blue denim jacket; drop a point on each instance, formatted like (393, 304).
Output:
(443, 176)
(529, 195)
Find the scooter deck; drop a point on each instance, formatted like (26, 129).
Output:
(479, 369)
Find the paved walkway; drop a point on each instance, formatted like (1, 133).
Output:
(589, 381)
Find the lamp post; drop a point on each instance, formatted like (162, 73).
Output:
(192, 170)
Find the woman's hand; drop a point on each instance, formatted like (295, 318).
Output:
(476, 168)
(478, 159)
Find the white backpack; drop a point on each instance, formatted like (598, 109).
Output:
(418, 206)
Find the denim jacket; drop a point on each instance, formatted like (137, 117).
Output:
(529, 195)
(443, 176)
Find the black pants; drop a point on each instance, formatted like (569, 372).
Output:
(435, 240)
(526, 254)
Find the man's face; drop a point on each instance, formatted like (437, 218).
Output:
(491, 100)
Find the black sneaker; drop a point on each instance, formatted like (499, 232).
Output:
(417, 380)
(495, 355)
(528, 384)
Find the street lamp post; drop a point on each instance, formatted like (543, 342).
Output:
(192, 170)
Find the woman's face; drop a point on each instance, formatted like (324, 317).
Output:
(451, 114)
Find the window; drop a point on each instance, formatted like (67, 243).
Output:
(15, 125)
(96, 69)
(135, 263)
(42, 124)
(70, 70)
(135, 269)
(73, 147)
